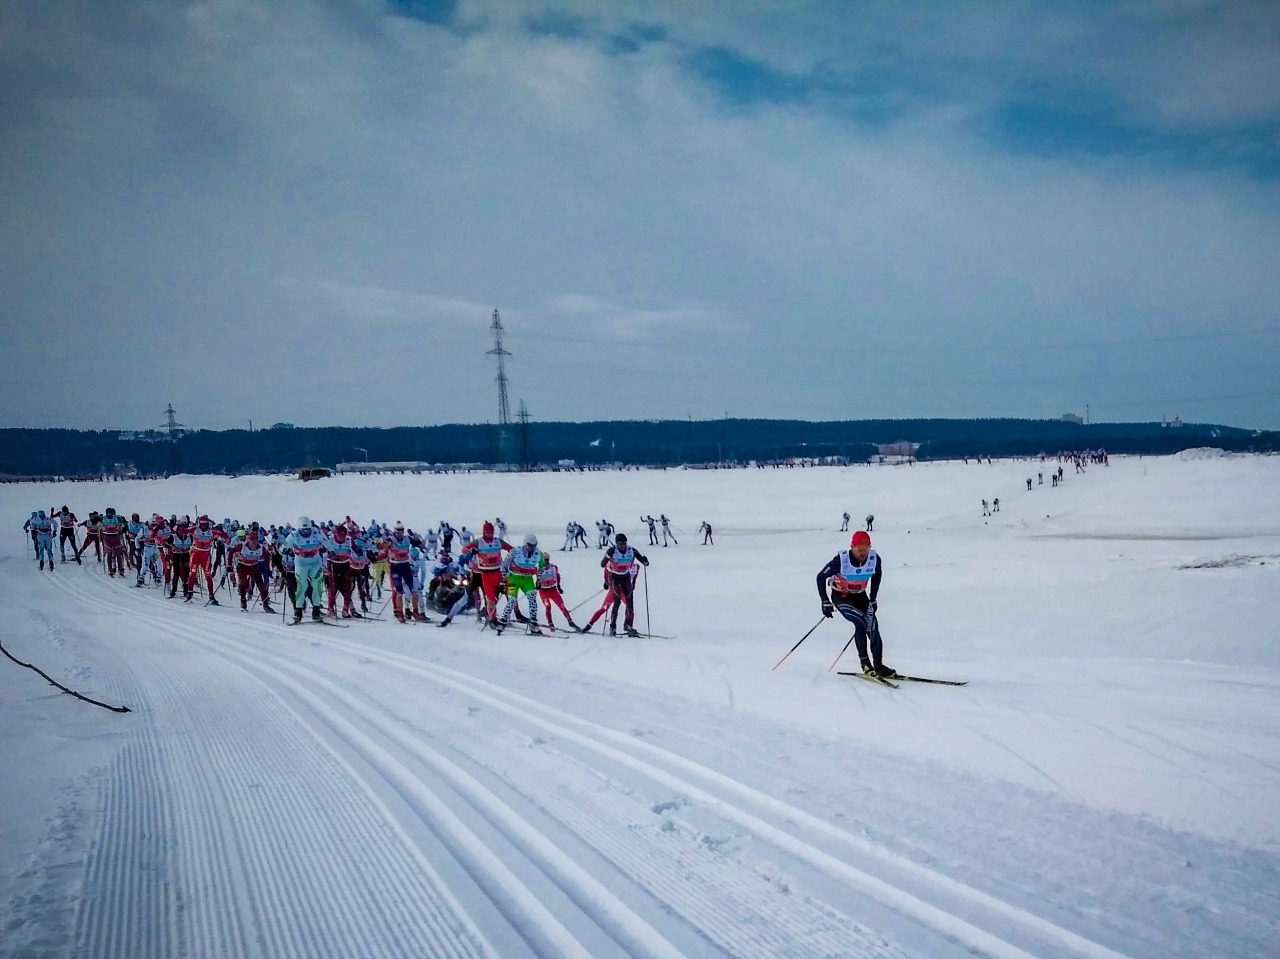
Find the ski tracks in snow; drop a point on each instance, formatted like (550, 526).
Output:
(594, 786)
(228, 830)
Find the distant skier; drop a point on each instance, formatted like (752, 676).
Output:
(602, 534)
(180, 562)
(705, 529)
(248, 556)
(432, 544)
(580, 537)
(446, 536)
(986, 511)
(1039, 479)
(1028, 484)
(844, 522)
(465, 537)
(113, 530)
(871, 521)
(653, 528)
(854, 577)
(402, 577)
(666, 530)
(995, 505)
(501, 527)
(570, 536)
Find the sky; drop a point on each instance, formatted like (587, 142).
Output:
(308, 210)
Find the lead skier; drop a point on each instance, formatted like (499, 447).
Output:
(854, 575)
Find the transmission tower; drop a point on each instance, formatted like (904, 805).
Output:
(504, 410)
(174, 429)
(523, 416)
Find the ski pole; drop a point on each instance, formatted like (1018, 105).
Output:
(841, 653)
(797, 645)
(648, 626)
(588, 599)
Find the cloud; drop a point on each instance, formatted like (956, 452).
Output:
(709, 205)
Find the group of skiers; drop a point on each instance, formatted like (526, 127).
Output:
(323, 562)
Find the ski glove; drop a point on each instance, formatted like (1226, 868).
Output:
(827, 608)
(644, 562)
(871, 607)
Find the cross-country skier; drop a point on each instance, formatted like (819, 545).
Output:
(995, 505)
(521, 571)
(248, 559)
(620, 563)
(202, 539)
(666, 530)
(653, 528)
(92, 534)
(580, 535)
(148, 545)
(570, 534)
(705, 529)
(602, 534)
(501, 527)
(551, 591)
(66, 531)
(338, 547)
(432, 544)
(399, 558)
(134, 528)
(844, 522)
(113, 530)
(465, 537)
(871, 521)
(360, 573)
(180, 563)
(489, 549)
(854, 575)
(43, 526)
(306, 543)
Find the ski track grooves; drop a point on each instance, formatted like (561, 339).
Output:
(295, 865)
(628, 929)
(626, 751)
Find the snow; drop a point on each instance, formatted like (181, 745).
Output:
(1106, 785)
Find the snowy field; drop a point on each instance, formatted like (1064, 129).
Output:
(1108, 784)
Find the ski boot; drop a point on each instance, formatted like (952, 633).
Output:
(42, 565)
(138, 584)
(574, 626)
(399, 616)
(444, 622)
(534, 630)
(266, 608)
(297, 615)
(613, 631)
(867, 668)
(244, 606)
(213, 601)
(632, 632)
(885, 672)
(420, 617)
(316, 615)
(364, 608)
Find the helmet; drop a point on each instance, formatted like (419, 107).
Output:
(487, 528)
(399, 526)
(860, 538)
(304, 522)
(40, 514)
(241, 534)
(204, 518)
(544, 562)
(531, 540)
(251, 534)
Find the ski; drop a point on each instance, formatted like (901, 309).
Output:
(872, 679)
(936, 682)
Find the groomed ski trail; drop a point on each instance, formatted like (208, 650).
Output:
(910, 890)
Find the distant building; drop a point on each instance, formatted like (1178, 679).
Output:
(1072, 418)
(1176, 422)
(282, 426)
(900, 448)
